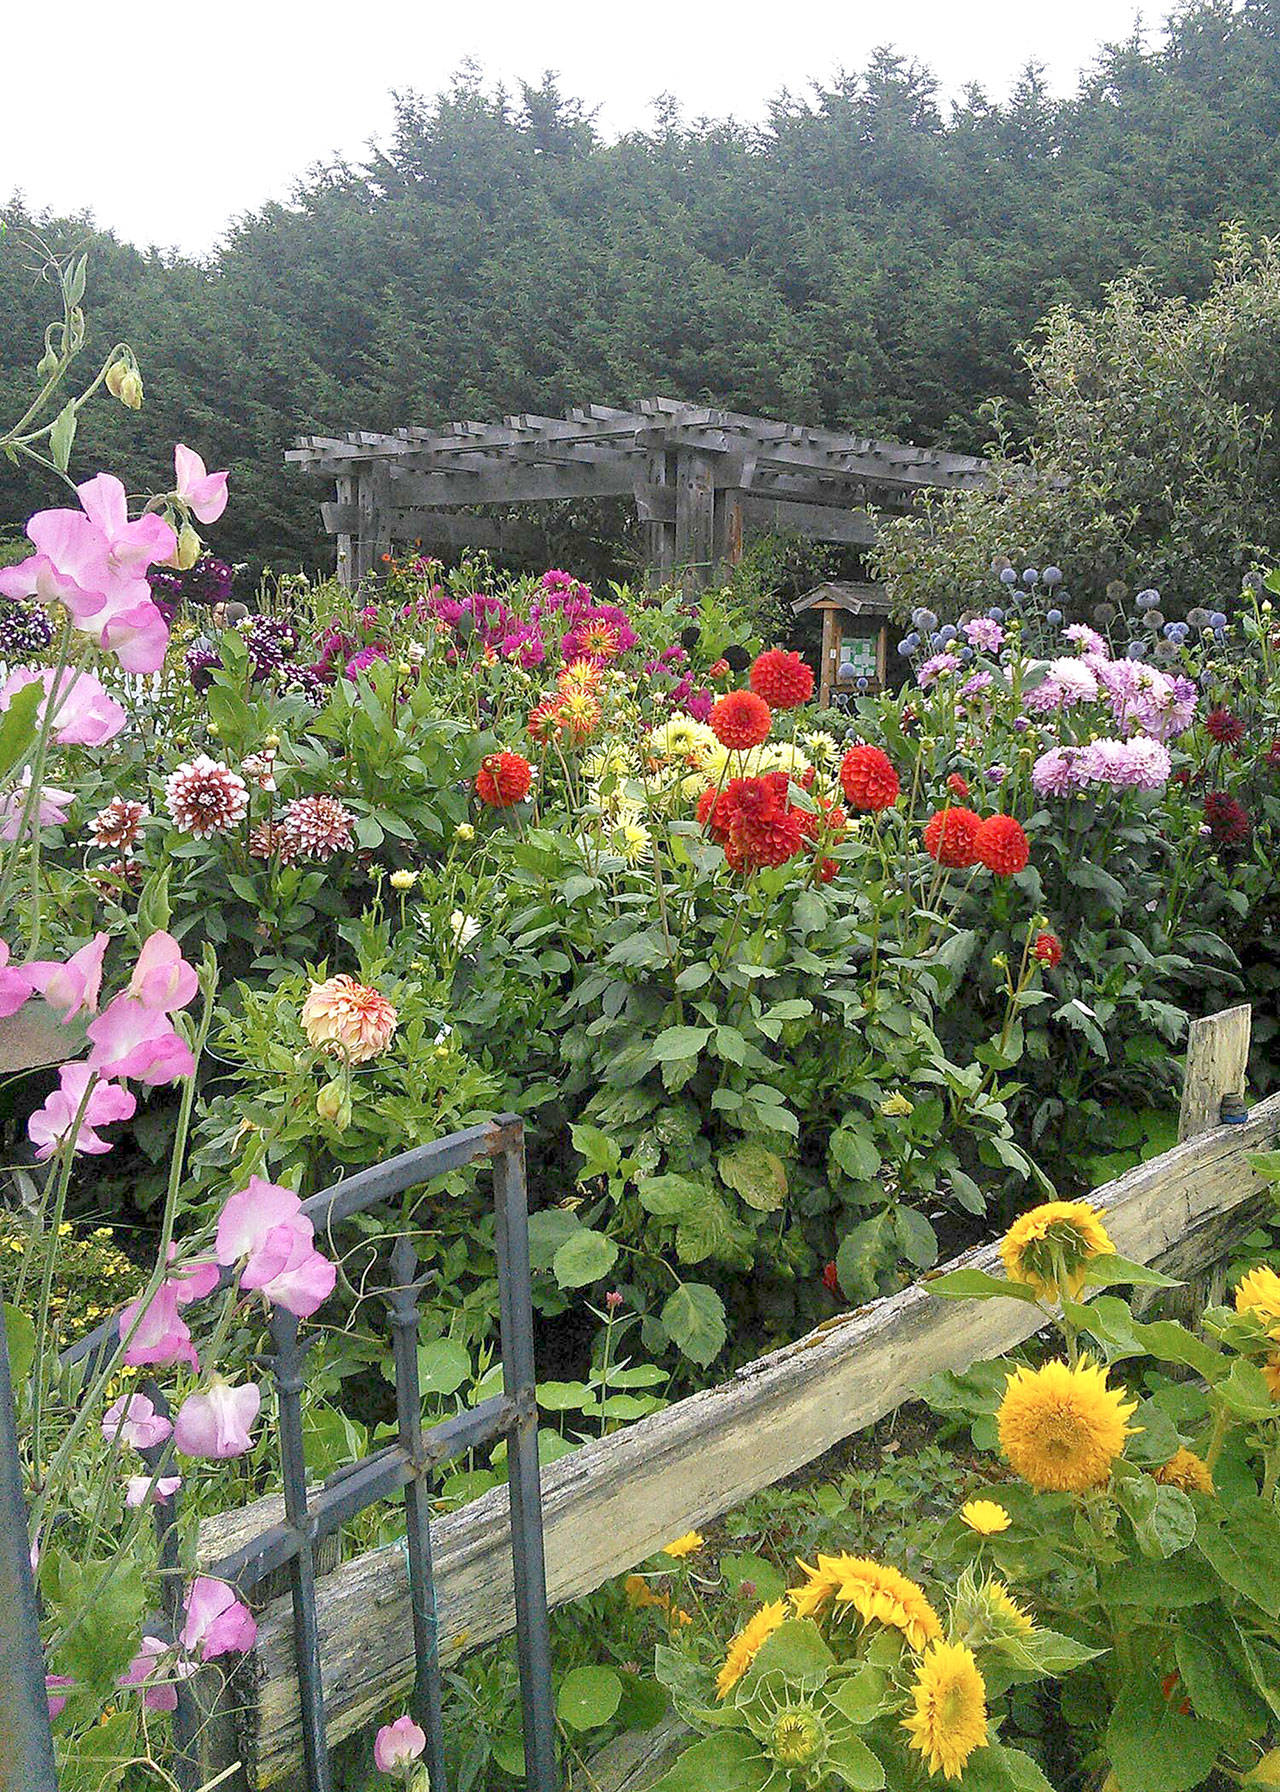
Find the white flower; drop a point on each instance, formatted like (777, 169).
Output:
(464, 929)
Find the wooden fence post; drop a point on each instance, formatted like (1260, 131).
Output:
(1217, 1059)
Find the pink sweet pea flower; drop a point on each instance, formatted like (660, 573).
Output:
(37, 576)
(85, 715)
(159, 1694)
(58, 1699)
(264, 1228)
(49, 1126)
(138, 1489)
(162, 978)
(206, 493)
(397, 1746)
(290, 1272)
(74, 985)
(132, 1040)
(51, 807)
(134, 1420)
(15, 986)
(194, 1280)
(217, 1622)
(161, 1338)
(137, 636)
(218, 1424)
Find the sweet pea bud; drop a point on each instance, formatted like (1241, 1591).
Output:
(47, 365)
(125, 383)
(333, 1104)
(115, 376)
(189, 548)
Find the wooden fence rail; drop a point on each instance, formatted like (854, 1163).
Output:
(617, 1500)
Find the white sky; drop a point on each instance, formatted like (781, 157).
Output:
(171, 120)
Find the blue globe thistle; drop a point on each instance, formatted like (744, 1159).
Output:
(1198, 618)
(862, 684)
(1052, 575)
(1135, 650)
(996, 614)
(947, 632)
(1008, 576)
(904, 647)
(925, 621)
(911, 643)
(1031, 576)
(1054, 618)
(1217, 621)
(966, 654)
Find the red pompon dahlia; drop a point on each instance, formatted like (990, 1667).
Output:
(868, 779)
(719, 669)
(740, 720)
(782, 679)
(315, 827)
(1002, 845)
(503, 780)
(204, 797)
(951, 837)
(1222, 726)
(768, 839)
(1047, 948)
(1228, 819)
(827, 870)
(959, 787)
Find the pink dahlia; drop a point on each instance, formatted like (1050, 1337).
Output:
(348, 1017)
(317, 826)
(205, 798)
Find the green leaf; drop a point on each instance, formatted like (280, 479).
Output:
(1111, 1270)
(584, 1258)
(670, 1197)
(729, 1762)
(62, 435)
(768, 1582)
(443, 1366)
(676, 1043)
(602, 1154)
(1246, 1392)
(1163, 1518)
(998, 1769)
(756, 1174)
(975, 1284)
(18, 727)
(695, 1320)
(862, 1696)
(588, 1697)
(851, 1761)
(796, 1649)
(108, 1613)
(1153, 1748)
(916, 1238)
(20, 1333)
(548, 1230)
(851, 1147)
(1244, 1548)
(1045, 1652)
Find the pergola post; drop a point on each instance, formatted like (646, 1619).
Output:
(728, 527)
(345, 495)
(656, 506)
(695, 514)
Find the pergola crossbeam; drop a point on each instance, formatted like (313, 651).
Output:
(700, 477)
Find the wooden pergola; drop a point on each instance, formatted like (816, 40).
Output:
(701, 480)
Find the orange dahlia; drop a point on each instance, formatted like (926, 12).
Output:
(1002, 845)
(503, 780)
(868, 779)
(951, 837)
(782, 679)
(346, 1017)
(740, 720)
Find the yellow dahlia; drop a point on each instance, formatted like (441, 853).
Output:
(950, 1717)
(348, 1018)
(684, 1546)
(578, 675)
(1056, 1237)
(1062, 1428)
(746, 1644)
(581, 713)
(882, 1595)
(986, 1517)
(1258, 1293)
(1188, 1471)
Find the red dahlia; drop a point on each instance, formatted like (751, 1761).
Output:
(782, 679)
(503, 780)
(951, 837)
(1228, 820)
(546, 721)
(1002, 845)
(1273, 755)
(740, 720)
(1048, 949)
(1222, 726)
(959, 787)
(830, 1280)
(768, 840)
(868, 779)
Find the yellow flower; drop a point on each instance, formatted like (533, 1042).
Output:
(1188, 1471)
(896, 1106)
(639, 1597)
(986, 1517)
(684, 1546)
(1258, 1293)
(679, 1617)
(403, 880)
(745, 1645)
(1056, 1235)
(882, 1595)
(1271, 1370)
(1062, 1428)
(682, 738)
(464, 831)
(950, 1717)
(1001, 1605)
(632, 841)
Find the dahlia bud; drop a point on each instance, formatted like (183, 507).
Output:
(333, 1104)
(464, 831)
(271, 743)
(188, 550)
(403, 880)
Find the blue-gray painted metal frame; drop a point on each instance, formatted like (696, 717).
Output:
(405, 1467)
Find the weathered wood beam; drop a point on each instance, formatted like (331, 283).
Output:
(619, 1498)
(695, 513)
(1217, 1065)
(821, 522)
(516, 483)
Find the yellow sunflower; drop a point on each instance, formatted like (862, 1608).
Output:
(746, 1644)
(986, 1517)
(684, 1546)
(882, 1595)
(1058, 1236)
(1188, 1471)
(822, 1584)
(1258, 1293)
(1005, 1610)
(950, 1717)
(1271, 1370)
(1062, 1428)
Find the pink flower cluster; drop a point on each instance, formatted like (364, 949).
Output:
(84, 714)
(1137, 764)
